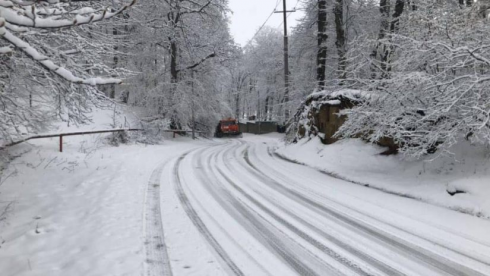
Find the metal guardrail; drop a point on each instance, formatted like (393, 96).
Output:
(61, 135)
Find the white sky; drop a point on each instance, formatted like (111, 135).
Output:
(249, 15)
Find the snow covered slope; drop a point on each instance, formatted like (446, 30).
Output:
(80, 212)
(468, 171)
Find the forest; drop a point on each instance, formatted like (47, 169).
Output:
(424, 63)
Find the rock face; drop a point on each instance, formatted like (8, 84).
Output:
(320, 115)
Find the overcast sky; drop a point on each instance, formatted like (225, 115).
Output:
(249, 15)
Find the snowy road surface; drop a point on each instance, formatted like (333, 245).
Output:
(235, 208)
(222, 207)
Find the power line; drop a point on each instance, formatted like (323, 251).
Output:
(263, 25)
(295, 6)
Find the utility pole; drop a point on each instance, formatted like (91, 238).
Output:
(286, 59)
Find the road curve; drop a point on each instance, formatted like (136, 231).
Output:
(262, 215)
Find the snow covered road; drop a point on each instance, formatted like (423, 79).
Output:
(222, 207)
(237, 209)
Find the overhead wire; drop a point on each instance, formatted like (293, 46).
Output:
(263, 25)
(295, 6)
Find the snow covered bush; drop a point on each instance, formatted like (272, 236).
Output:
(302, 124)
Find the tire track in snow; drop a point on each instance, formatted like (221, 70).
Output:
(275, 155)
(198, 166)
(422, 255)
(199, 224)
(157, 260)
(324, 248)
(298, 232)
(277, 241)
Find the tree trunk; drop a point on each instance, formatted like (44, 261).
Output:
(484, 8)
(271, 109)
(399, 7)
(340, 43)
(384, 8)
(112, 93)
(383, 49)
(466, 2)
(266, 108)
(237, 105)
(321, 59)
(174, 73)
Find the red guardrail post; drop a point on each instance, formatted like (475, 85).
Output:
(61, 143)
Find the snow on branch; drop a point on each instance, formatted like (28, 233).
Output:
(48, 64)
(5, 50)
(6, 4)
(27, 3)
(15, 28)
(2, 26)
(26, 17)
(14, 17)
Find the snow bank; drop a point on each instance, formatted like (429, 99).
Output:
(461, 183)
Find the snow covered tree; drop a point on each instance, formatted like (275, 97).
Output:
(438, 89)
(22, 16)
(48, 58)
(321, 60)
(264, 97)
(340, 40)
(177, 53)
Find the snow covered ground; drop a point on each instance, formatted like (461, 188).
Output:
(80, 212)
(216, 207)
(467, 171)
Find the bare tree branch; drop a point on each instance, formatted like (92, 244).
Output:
(199, 62)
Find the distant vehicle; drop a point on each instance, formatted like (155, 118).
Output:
(228, 128)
